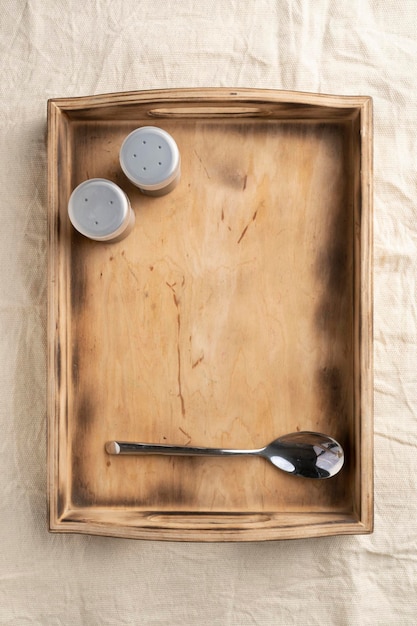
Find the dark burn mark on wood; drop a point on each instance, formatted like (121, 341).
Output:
(232, 177)
(331, 388)
(75, 365)
(78, 280)
(84, 414)
(173, 492)
(325, 316)
(84, 417)
(164, 494)
(82, 493)
(334, 260)
(169, 492)
(332, 266)
(60, 504)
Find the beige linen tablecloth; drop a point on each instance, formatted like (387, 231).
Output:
(60, 48)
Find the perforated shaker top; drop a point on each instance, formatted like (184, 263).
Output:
(150, 158)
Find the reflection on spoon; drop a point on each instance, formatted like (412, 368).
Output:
(307, 454)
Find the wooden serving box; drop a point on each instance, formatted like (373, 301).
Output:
(239, 309)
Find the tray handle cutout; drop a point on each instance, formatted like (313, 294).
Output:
(209, 111)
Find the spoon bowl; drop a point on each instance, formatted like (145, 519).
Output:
(307, 454)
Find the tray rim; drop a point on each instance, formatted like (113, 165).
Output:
(363, 521)
(210, 94)
(320, 525)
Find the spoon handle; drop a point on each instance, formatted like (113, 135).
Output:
(125, 447)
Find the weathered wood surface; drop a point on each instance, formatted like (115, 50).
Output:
(239, 309)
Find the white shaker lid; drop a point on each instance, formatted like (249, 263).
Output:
(99, 209)
(150, 158)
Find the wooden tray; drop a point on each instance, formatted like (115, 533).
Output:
(239, 309)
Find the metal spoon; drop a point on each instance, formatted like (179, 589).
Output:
(307, 454)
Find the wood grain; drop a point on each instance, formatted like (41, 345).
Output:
(239, 309)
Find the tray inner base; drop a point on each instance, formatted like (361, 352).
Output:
(224, 319)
